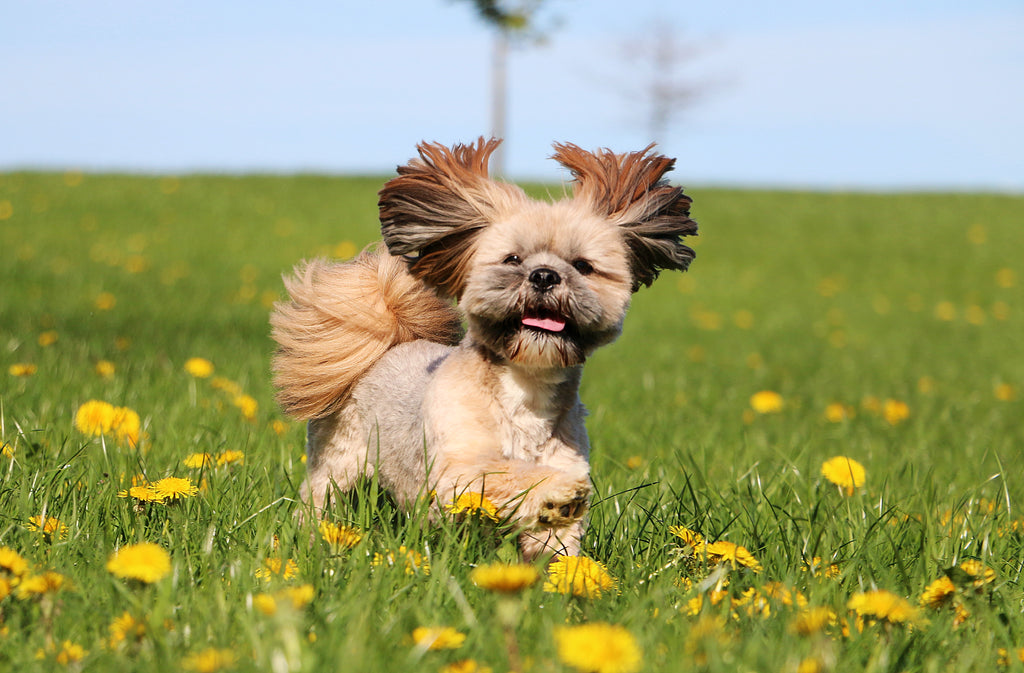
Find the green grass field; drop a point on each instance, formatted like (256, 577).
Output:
(888, 326)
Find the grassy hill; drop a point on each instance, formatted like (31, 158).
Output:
(887, 325)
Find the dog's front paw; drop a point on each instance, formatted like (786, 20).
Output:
(558, 504)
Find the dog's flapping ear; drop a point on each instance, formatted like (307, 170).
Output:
(630, 191)
(433, 211)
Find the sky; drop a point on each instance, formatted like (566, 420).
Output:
(874, 95)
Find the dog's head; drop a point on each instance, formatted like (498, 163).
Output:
(541, 284)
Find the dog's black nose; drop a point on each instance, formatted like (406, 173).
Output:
(544, 278)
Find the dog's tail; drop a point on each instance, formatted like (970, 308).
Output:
(341, 318)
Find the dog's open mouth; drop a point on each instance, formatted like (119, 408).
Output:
(544, 321)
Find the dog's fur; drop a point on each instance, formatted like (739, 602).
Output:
(371, 351)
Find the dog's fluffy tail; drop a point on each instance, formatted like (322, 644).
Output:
(342, 317)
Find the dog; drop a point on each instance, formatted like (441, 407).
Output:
(373, 352)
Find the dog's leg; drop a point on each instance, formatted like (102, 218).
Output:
(335, 458)
(538, 497)
(552, 542)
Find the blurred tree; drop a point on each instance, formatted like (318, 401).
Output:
(655, 61)
(514, 22)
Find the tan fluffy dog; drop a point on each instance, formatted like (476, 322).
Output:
(372, 353)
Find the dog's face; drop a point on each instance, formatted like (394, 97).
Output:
(541, 284)
(547, 285)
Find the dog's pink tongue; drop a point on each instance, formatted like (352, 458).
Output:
(546, 324)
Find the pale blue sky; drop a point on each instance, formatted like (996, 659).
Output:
(889, 95)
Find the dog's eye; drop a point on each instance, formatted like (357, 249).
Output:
(583, 266)
(512, 259)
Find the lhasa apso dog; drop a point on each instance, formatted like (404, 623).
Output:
(373, 351)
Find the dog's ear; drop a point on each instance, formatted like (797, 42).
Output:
(434, 210)
(630, 190)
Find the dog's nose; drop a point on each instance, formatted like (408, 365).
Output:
(544, 278)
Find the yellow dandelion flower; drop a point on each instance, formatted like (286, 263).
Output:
(466, 666)
(172, 488)
(504, 578)
(412, 560)
(105, 369)
(195, 461)
(473, 504)
(125, 627)
(1004, 392)
(273, 566)
(345, 250)
(831, 285)
(210, 660)
(706, 319)
(5, 591)
(141, 492)
(70, 652)
(126, 425)
(279, 427)
(579, 576)
(696, 604)
(199, 368)
(11, 562)
(812, 620)
(975, 315)
(1004, 656)
(784, 594)
(634, 462)
(52, 526)
(136, 264)
(945, 311)
(22, 369)
(47, 338)
(1006, 278)
(766, 402)
(734, 554)
(230, 456)
(226, 385)
(105, 301)
(882, 604)
(980, 573)
(95, 418)
(817, 567)
(37, 585)
(265, 603)
(844, 472)
(707, 633)
(690, 537)
(7, 450)
(838, 412)
(754, 603)
(340, 536)
(438, 637)
(810, 665)
(145, 561)
(938, 593)
(895, 411)
(598, 648)
(299, 596)
(743, 319)
(247, 405)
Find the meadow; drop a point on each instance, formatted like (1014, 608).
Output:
(149, 481)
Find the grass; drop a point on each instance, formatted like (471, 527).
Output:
(825, 299)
